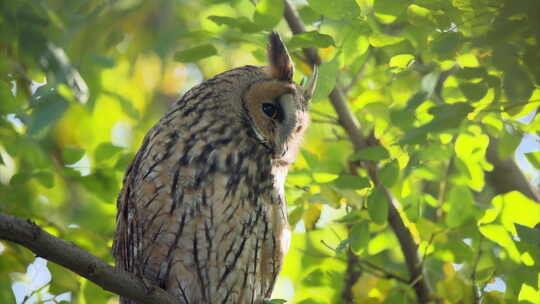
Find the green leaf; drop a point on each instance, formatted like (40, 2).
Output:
(311, 159)
(447, 44)
(195, 53)
(389, 173)
(499, 235)
(390, 7)
(314, 278)
(469, 73)
(345, 181)
(47, 109)
(310, 39)
(72, 155)
(241, 23)
(123, 162)
(378, 206)
(517, 84)
(309, 15)
(343, 9)
(275, 301)
(106, 150)
(324, 177)
(296, 215)
(429, 83)
(508, 143)
(268, 13)
(534, 159)
(359, 236)
(447, 116)
(473, 91)
(327, 79)
(461, 206)
(19, 178)
(45, 178)
(401, 60)
(416, 100)
(378, 39)
(373, 153)
(103, 184)
(528, 235)
(7, 101)
(402, 118)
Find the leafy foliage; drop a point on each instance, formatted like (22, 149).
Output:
(437, 83)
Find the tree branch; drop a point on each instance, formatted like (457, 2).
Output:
(506, 175)
(72, 257)
(359, 141)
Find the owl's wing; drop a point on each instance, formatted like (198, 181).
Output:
(127, 239)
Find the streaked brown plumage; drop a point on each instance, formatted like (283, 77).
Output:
(202, 212)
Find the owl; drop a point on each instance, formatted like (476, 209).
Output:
(202, 212)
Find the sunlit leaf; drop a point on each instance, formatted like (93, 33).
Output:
(499, 235)
(312, 215)
(400, 61)
(528, 294)
(323, 177)
(195, 53)
(534, 159)
(380, 40)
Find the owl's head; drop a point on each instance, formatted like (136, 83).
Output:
(276, 106)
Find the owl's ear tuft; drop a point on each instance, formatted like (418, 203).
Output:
(280, 62)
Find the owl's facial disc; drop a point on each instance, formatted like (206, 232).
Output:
(275, 110)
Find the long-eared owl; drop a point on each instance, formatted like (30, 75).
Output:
(202, 212)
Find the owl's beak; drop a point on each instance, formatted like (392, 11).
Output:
(309, 89)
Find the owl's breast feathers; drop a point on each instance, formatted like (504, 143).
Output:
(202, 211)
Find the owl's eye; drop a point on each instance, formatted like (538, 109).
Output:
(271, 110)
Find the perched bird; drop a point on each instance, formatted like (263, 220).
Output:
(202, 212)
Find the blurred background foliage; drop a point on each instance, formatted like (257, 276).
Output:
(438, 83)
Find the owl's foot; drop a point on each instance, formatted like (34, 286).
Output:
(149, 286)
